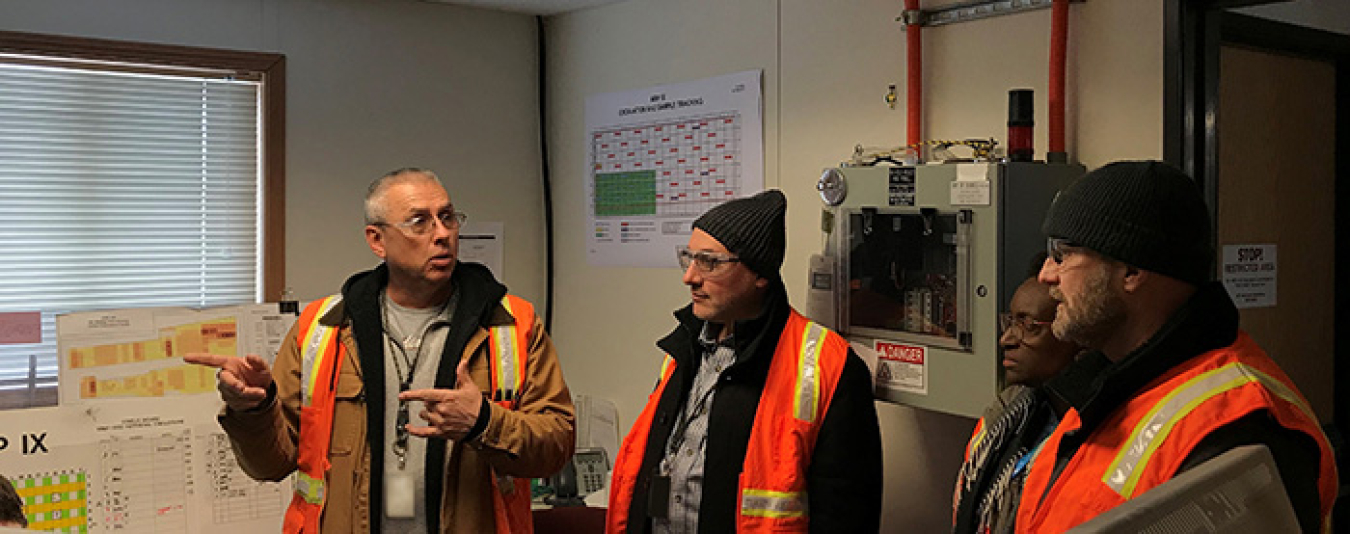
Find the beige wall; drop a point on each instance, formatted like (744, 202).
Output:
(374, 85)
(371, 86)
(826, 67)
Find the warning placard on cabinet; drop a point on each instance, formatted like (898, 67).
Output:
(902, 367)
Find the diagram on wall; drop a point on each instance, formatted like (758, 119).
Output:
(138, 353)
(660, 157)
(55, 501)
(138, 465)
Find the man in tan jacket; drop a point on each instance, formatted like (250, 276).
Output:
(421, 335)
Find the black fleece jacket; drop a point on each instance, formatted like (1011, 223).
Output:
(1096, 387)
(844, 477)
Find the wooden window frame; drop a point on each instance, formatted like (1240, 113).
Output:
(272, 70)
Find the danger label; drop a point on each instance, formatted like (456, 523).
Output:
(902, 367)
(900, 353)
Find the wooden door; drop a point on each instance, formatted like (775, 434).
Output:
(1276, 127)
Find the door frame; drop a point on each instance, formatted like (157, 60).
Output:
(1193, 33)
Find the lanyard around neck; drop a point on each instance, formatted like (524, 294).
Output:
(405, 377)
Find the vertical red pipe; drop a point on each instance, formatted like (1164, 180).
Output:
(914, 67)
(1059, 33)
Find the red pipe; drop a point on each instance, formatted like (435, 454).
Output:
(1059, 33)
(914, 66)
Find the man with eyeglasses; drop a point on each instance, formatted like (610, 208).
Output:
(421, 335)
(1171, 380)
(1010, 434)
(762, 420)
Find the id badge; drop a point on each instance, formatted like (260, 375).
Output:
(658, 499)
(398, 494)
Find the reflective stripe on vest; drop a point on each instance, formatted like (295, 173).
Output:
(508, 353)
(309, 488)
(509, 346)
(769, 503)
(317, 338)
(321, 355)
(783, 502)
(807, 398)
(666, 365)
(1153, 428)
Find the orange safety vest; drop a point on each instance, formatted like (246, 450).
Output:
(772, 496)
(1145, 442)
(321, 356)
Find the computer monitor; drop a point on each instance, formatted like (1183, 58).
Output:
(1238, 491)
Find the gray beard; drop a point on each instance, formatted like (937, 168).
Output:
(1098, 313)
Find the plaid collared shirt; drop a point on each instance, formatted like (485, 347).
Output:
(685, 451)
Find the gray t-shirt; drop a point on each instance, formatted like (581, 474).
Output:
(405, 330)
(686, 451)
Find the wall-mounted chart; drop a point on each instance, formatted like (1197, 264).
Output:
(660, 157)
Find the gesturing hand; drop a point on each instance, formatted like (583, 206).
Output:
(450, 413)
(242, 381)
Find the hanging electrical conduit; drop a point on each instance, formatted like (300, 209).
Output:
(911, 152)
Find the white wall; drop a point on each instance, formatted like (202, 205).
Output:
(371, 86)
(826, 67)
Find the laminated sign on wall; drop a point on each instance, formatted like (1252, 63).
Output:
(1249, 274)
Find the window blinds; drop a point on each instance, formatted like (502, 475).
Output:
(122, 189)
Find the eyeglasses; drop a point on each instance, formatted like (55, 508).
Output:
(422, 223)
(707, 262)
(1028, 325)
(1057, 248)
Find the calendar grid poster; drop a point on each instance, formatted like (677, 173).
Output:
(660, 157)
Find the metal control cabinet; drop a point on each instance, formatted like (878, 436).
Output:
(918, 263)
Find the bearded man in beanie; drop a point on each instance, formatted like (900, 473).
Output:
(1172, 381)
(762, 420)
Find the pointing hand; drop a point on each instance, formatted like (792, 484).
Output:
(242, 382)
(449, 413)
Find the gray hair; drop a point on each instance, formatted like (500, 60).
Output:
(374, 203)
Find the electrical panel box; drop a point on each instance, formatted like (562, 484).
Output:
(918, 263)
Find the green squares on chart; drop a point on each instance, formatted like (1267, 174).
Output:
(625, 193)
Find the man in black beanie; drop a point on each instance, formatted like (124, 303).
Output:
(762, 420)
(1172, 381)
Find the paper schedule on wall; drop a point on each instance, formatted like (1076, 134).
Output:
(659, 157)
(141, 465)
(138, 352)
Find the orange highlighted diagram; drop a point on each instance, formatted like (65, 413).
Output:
(184, 379)
(216, 336)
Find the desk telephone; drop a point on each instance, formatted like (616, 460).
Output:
(583, 475)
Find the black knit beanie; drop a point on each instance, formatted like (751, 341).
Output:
(752, 228)
(1145, 213)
